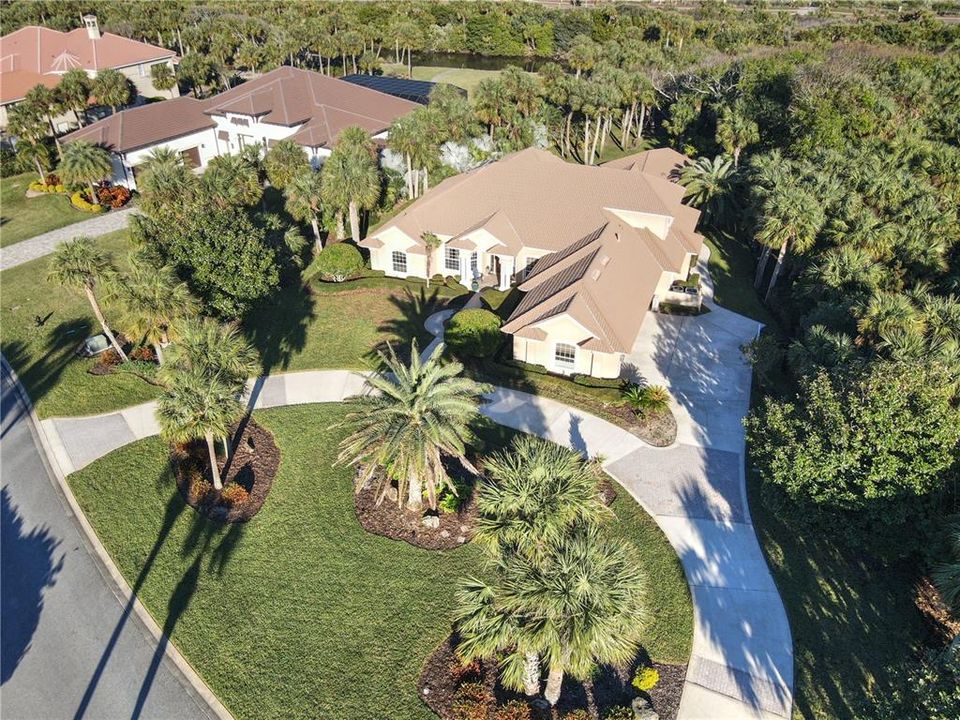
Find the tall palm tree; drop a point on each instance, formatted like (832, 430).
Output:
(790, 219)
(583, 605)
(80, 264)
(151, 300)
(352, 168)
(212, 350)
(165, 183)
(47, 103)
(709, 187)
(304, 196)
(420, 414)
(163, 77)
(402, 140)
(283, 162)
(735, 130)
(946, 575)
(84, 162)
(74, 89)
(533, 494)
(27, 125)
(432, 242)
(112, 88)
(231, 181)
(197, 406)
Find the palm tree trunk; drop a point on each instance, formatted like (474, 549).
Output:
(414, 493)
(103, 322)
(586, 139)
(316, 232)
(409, 176)
(554, 682)
(566, 138)
(761, 266)
(736, 156)
(226, 447)
(625, 126)
(776, 270)
(93, 194)
(640, 121)
(158, 349)
(341, 232)
(354, 221)
(531, 674)
(214, 467)
(56, 140)
(426, 180)
(36, 162)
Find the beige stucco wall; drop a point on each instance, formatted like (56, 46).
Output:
(382, 259)
(588, 362)
(659, 225)
(139, 75)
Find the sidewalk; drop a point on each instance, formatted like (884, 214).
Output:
(35, 247)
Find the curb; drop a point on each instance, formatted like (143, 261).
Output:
(106, 562)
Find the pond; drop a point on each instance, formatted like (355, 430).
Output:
(477, 62)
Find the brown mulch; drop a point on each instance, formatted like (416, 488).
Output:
(939, 621)
(658, 428)
(607, 490)
(442, 675)
(396, 522)
(253, 465)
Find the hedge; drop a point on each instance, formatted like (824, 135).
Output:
(337, 262)
(81, 203)
(38, 186)
(473, 333)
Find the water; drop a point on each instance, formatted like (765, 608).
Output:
(476, 62)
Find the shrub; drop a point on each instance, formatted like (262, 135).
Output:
(336, 262)
(473, 333)
(620, 712)
(448, 502)
(116, 196)
(646, 398)
(234, 494)
(144, 354)
(44, 187)
(461, 672)
(52, 179)
(578, 714)
(646, 679)
(81, 203)
(513, 710)
(199, 488)
(471, 702)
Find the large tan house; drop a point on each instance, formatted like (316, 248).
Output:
(591, 248)
(36, 55)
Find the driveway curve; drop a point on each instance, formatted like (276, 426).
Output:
(742, 663)
(72, 644)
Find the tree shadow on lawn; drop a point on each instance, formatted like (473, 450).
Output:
(414, 309)
(206, 540)
(277, 327)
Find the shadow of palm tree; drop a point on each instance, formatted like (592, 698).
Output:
(27, 569)
(277, 326)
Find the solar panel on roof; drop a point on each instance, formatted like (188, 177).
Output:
(417, 91)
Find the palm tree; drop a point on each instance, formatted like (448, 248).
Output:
(582, 54)
(533, 494)
(304, 195)
(946, 575)
(151, 300)
(48, 104)
(583, 605)
(489, 101)
(163, 77)
(165, 183)
(84, 162)
(735, 130)
(112, 88)
(27, 125)
(231, 181)
(352, 170)
(790, 218)
(212, 350)
(420, 414)
(283, 162)
(402, 140)
(198, 406)
(80, 264)
(888, 314)
(709, 187)
(432, 243)
(74, 89)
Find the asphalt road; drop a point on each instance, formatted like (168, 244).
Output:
(71, 647)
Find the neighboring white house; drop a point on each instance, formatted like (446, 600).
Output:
(36, 55)
(592, 248)
(309, 108)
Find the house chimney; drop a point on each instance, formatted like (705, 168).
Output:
(93, 28)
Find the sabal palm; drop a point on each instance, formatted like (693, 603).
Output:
(196, 405)
(283, 162)
(352, 167)
(231, 181)
(81, 264)
(583, 605)
(791, 217)
(212, 350)
(820, 348)
(165, 183)
(735, 130)
(415, 416)
(886, 314)
(304, 196)
(84, 162)
(709, 187)
(151, 300)
(533, 494)
(946, 575)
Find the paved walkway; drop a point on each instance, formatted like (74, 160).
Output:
(35, 247)
(72, 647)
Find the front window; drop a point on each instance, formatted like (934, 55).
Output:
(451, 258)
(564, 355)
(399, 262)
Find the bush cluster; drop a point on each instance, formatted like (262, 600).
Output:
(81, 203)
(472, 701)
(51, 184)
(337, 262)
(234, 494)
(473, 333)
(116, 196)
(646, 679)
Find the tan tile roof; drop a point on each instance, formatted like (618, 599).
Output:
(661, 162)
(286, 96)
(43, 51)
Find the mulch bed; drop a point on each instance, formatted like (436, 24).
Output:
(253, 465)
(443, 674)
(939, 621)
(395, 522)
(657, 428)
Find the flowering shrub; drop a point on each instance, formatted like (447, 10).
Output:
(234, 494)
(646, 679)
(46, 187)
(81, 203)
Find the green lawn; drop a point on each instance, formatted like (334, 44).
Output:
(301, 613)
(466, 78)
(41, 326)
(732, 268)
(22, 217)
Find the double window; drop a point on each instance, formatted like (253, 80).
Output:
(399, 262)
(451, 259)
(565, 356)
